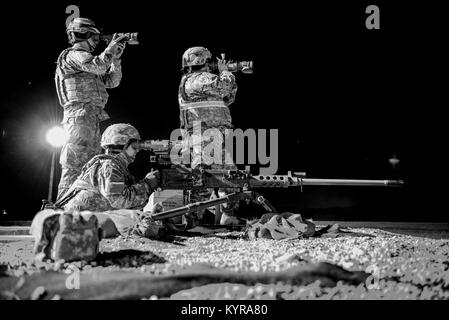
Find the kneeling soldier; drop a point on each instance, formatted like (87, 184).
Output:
(105, 182)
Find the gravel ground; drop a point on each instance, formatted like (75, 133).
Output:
(402, 267)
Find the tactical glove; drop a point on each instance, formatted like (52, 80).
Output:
(222, 64)
(120, 49)
(152, 179)
(115, 47)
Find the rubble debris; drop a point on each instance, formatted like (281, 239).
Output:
(133, 285)
(280, 226)
(401, 266)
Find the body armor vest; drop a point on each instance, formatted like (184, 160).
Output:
(76, 86)
(90, 169)
(211, 113)
(87, 180)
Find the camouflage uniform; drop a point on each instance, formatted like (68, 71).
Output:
(204, 98)
(81, 82)
(106, 184)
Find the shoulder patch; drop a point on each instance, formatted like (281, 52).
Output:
(115, 187)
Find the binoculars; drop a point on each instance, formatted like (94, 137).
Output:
(243, 66)
(130, 37)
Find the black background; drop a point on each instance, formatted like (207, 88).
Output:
(344, 98)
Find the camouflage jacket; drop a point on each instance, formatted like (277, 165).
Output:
(81, 81)
(106, 184)
(205, 97)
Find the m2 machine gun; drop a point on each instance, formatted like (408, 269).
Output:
(181, 177)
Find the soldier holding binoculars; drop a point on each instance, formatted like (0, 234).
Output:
(204, 99)
(81, 82)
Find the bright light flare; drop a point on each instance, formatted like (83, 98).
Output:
(56, 137)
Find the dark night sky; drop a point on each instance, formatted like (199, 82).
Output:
(344, 99)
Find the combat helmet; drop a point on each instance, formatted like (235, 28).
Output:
(195, 56)
(80, 29)
(119, 134)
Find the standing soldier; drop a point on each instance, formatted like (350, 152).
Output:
(204, 99)
(81, 81)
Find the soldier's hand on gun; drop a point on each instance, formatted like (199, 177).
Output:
(116, 46)
(158, 207)
(152, 179)
(222, 64)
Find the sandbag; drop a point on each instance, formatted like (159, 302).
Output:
(280, 226)
(77, 238)
(76, 235)
(65, 235)
(107, 227)
(44, 227)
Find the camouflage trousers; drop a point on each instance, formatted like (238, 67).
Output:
(83, 143)
(83, 200)
(198, 149)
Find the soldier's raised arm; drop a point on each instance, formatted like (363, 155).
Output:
(87, 62)
(105, 64)
(221, 86)
(114, 75)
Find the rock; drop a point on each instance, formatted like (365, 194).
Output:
(335, 228)
(357, 252)
(38, 293)
(289, 258)
(58, 264)
(39, 257)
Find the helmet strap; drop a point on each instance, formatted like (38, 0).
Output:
(72, 38)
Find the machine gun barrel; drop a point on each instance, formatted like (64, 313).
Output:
(351, 182)
(184, 178)
(298, 179)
